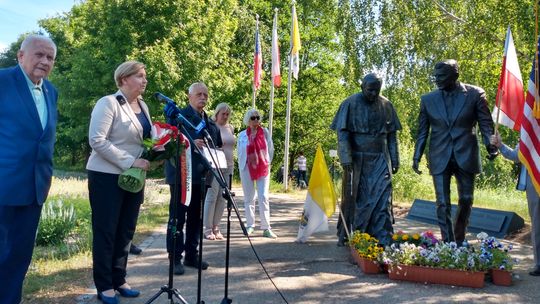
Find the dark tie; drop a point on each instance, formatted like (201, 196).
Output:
(448, 102)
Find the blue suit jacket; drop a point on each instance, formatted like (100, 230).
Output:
(26, 149)
(196, 159)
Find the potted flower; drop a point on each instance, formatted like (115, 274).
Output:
(365, 250)
(498, 256)
(425, 239)
(402, 237)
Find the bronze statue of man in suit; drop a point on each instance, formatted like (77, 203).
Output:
(449, 116)
(366, 125)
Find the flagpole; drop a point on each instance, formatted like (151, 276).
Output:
(254, 63)
(288, 113)
(271, 109)
(535, 105)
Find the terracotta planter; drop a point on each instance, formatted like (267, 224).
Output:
(431, 275)
(501, 277)
(367, 266)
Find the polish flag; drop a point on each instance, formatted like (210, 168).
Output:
(508, 109)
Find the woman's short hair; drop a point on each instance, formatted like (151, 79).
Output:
(222, 107)
(249, 113)
(127, 69)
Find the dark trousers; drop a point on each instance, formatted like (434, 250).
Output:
(301, 177)
(465, 187)
(114, 219)
(189, 216)
(18, 226)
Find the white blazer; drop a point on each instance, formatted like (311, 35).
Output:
(242, 148)
(115, 135)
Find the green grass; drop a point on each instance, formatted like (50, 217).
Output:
(65, 271)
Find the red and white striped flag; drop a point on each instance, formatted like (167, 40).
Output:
(276, 72)
(509, 101)
(257, 60)
(529, 142)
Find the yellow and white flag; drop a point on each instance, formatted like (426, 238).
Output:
(296, 45)
(320, 200)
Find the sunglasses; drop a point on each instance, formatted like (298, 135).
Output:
(255, 118)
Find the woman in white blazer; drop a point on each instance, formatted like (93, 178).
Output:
(118, 125)
(255, 153)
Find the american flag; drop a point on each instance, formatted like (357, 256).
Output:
(529, 142)
(257, 60)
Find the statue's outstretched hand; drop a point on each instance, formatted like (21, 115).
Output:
(415, 166)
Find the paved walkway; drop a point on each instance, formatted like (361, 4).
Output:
(315, 272)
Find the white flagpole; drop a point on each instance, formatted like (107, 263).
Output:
(288, 113)
(271, 109)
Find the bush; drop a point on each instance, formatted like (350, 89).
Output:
(57, 222)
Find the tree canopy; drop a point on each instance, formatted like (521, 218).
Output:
(183, 41)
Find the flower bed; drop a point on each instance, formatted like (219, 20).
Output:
(365, 250)
(433, 275)
(366, 265)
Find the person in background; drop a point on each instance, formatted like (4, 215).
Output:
(215, 202)
(28, 117)
(533, 198)
(301, 164)
(255, 153)
(190, 215)
(119, 124)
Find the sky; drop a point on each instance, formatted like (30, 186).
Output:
(21, 16)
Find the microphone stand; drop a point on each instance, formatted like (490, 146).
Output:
(230, 204)
(172, 226)
(228, 195)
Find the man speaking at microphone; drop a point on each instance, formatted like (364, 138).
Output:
(190, 215)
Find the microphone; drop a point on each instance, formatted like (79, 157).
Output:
(172, 111)
(163, 98)
(121, 99)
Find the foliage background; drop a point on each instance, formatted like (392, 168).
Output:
(183, 41)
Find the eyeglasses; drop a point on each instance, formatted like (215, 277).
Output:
(255, 118)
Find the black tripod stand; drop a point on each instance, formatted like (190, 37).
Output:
(169, 289)
(228, 195)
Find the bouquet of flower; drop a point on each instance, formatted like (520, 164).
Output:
(366, 245)
(495, 253)
(161, 146)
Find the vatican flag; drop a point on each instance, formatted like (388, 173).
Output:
(320, 201)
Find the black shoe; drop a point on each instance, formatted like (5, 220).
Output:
(535, 272)
(135, 250)
(195, 263)
(179, 268)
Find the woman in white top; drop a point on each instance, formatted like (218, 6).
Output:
(119, 124)
(214, 204)
(255, 153)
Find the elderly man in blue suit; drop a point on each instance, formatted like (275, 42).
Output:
(28, 117)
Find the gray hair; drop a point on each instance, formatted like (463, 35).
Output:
(250, 113)
(30, 39)
(127, 69)
(196, 84)
(222, 107)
